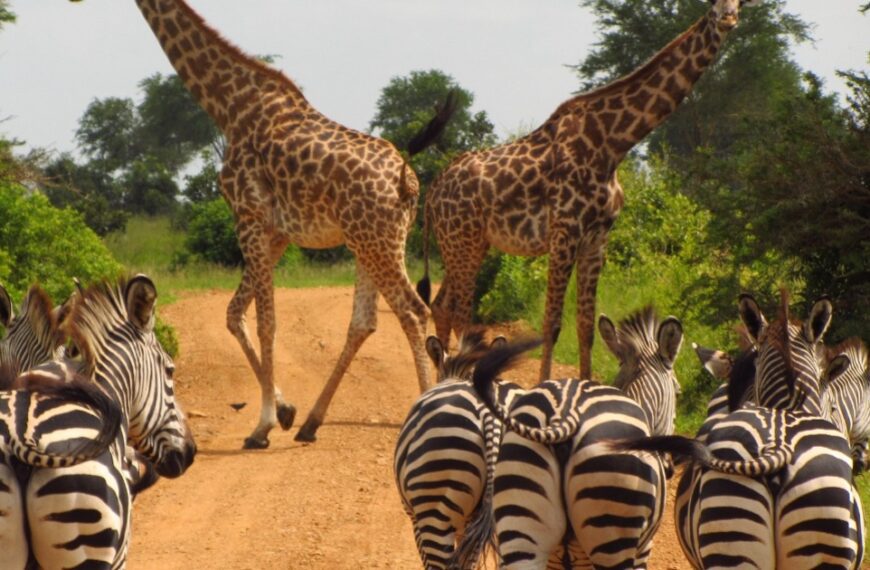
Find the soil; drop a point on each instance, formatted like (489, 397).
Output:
(332, 504)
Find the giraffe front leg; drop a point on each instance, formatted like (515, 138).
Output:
(563, 250)
(257, 285)
(363, 323)
(590, 261)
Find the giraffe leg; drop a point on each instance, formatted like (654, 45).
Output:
(257, 284)
(452, 307)
(363, 323)
(590, 261)
(563, 253)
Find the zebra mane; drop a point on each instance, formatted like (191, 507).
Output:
(39, 312)
(472, 347)
(638, 331)
(96, 311)
(8, 375)
(741, 378)
(780, 338)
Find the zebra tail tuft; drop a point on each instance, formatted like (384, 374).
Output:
(680, 446)
(477, 540)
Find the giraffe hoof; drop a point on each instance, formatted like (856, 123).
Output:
(256, 443)
(308, 432)
(286, 415)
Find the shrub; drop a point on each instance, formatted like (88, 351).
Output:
(45, 245)
(211, 237)
(518, 284)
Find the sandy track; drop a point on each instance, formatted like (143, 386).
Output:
(331, 505)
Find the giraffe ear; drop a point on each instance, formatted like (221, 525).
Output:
(435, 351)
(752, 317)
(670, 339)
(819, 320)
(141, 297)
(608, 333)
(7, 313)
(715, 362)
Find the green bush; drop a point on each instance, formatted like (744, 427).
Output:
(517, 285)
(211, 237)
(42, 244)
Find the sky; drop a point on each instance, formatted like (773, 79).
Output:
(513, 55)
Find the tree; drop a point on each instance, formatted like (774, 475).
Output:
(407, 103)
(752, 73)
(108, 133)
(6, 15)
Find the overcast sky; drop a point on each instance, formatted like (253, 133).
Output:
(512, 54)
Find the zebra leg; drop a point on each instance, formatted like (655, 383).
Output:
(79, 517)
(529, 515)
(13, 539)
(363, 323)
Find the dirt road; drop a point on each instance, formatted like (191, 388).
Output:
(330, 505)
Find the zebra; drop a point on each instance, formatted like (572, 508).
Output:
(775, 486)
(34, 335)
(79, 516)
(846, 398)
(445, 451)
(561, 501)
(45, 424)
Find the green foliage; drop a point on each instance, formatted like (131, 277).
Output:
(39, 243)
(6, 15)
(149, 187)
(203, 186)
(87, 189)
(518, 284)
(166, 336)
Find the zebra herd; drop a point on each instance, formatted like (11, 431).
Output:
(571, 473)
(88, 418)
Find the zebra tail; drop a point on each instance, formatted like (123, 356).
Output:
(79, 391)
(487, 370)
(772, 458)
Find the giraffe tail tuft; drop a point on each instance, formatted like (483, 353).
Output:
(424, 289)
(433, 129)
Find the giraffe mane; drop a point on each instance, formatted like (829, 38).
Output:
(235, 52)
(643, 71)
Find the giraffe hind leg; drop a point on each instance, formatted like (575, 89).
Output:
(363, 323)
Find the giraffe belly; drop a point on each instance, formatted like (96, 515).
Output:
(527, 239)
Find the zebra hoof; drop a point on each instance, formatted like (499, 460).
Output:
(286, 415)
(256, 443)
(308, 432)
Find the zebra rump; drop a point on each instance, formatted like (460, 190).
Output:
(34, 394)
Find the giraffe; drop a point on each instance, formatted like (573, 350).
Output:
(290, 175)
(555, 190)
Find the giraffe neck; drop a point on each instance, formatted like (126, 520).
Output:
(624, 111)
(227, 83)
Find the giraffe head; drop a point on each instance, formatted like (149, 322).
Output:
(725, 12)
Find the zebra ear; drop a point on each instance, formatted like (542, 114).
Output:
(836, 368)
(141, 297)
(608, 333)
(435, 351)
(819, 320)
(670, 339)
(7, 313)
(752, 317)
(498, 342)
(715, 362)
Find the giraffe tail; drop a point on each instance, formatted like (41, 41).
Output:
(424, 285)
(435, 127)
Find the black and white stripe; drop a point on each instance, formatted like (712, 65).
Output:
(774, 489)
(562, 499)
(33, 335)
(445, 452)
(846, 397)
(79, 516)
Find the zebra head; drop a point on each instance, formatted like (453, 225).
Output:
(33, 335)
(112, 327)
(459, 366)
(646, 350)
(846, 393)
(789, 362)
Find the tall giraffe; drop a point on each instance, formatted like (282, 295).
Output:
(290, 175)
(554, 191)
